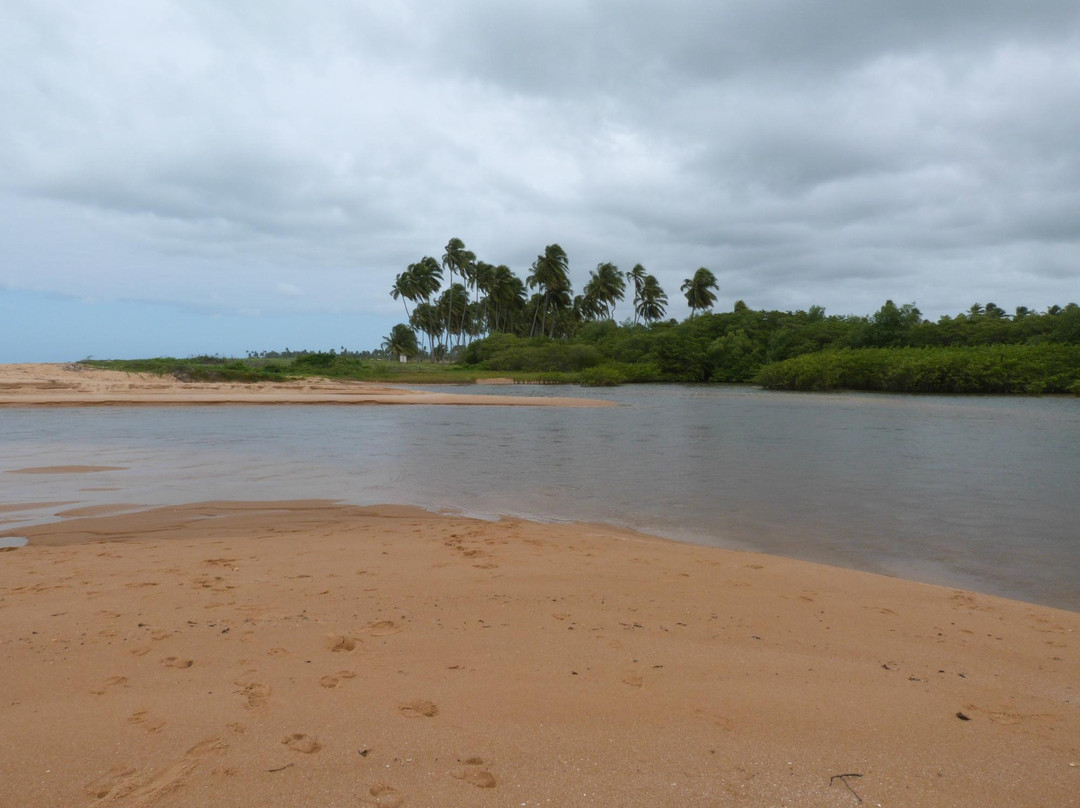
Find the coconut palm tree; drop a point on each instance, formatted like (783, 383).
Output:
(405, 287)
(551, 277)
(699, 290)
(427, 275)
(606, 286)
(454, 301)
(483, 275)
(401, 342)
(637, 277)
(428, 319)
(458, 259)
(651, 301)
(588, 306)
(506, 297)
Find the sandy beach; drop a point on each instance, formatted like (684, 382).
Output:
(74, 385)
(311, 653)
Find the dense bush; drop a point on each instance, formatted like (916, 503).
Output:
(553, 356)
(606, 376)
(893, 349)
(1045, 368)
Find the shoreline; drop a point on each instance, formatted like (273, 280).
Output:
(264, 652)
(45, 385)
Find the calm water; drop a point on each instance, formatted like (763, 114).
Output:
(976, 492)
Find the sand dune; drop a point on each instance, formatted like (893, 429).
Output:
(308, 653)
(75, 385)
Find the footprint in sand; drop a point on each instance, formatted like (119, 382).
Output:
(111, 682)
(148, 722)
(299, 742)
(340, 643)
(385, 796)
(177, 662)
(419, 708)
(121, 782)
(334, 679)
(255, 694)
(481, 778)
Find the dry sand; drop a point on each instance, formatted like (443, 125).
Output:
(75, 385)
(314, 654)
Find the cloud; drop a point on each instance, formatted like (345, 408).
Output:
(824, 152)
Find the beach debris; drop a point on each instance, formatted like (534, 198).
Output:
(963, 717)
(281, 768)
(843, 779)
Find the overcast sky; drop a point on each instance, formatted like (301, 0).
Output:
(222, 175)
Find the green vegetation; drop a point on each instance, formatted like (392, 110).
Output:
(309, 364)
(567, 338)
(489, 323)
(980, 351)
(197, 368)
(1028, 369)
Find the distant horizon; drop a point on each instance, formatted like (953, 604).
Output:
(178, 331)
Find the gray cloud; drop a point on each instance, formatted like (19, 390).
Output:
(831, 153)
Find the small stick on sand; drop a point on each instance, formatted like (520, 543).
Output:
(841, 777)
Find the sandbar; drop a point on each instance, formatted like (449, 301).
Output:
(55, 385)
(314, 653)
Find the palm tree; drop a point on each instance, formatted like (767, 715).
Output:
(698, 290)
(551, 275)
(455, 302)
(427, 275)
(651, 301)
(428, 319)
(484, 275)
(637, 277)
(506, 297)
(458, 259)
(401, 342)
(405, 287)
(588, 306)
(606, 286)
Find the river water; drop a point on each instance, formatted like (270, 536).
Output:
(982, 493)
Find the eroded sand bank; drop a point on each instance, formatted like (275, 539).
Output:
(308, 653)
(76, 385)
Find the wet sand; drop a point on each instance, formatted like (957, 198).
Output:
(310, 653)
(39, 385)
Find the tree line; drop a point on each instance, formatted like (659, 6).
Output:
(493, 320)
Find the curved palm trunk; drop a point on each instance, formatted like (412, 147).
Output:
(449, 306)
